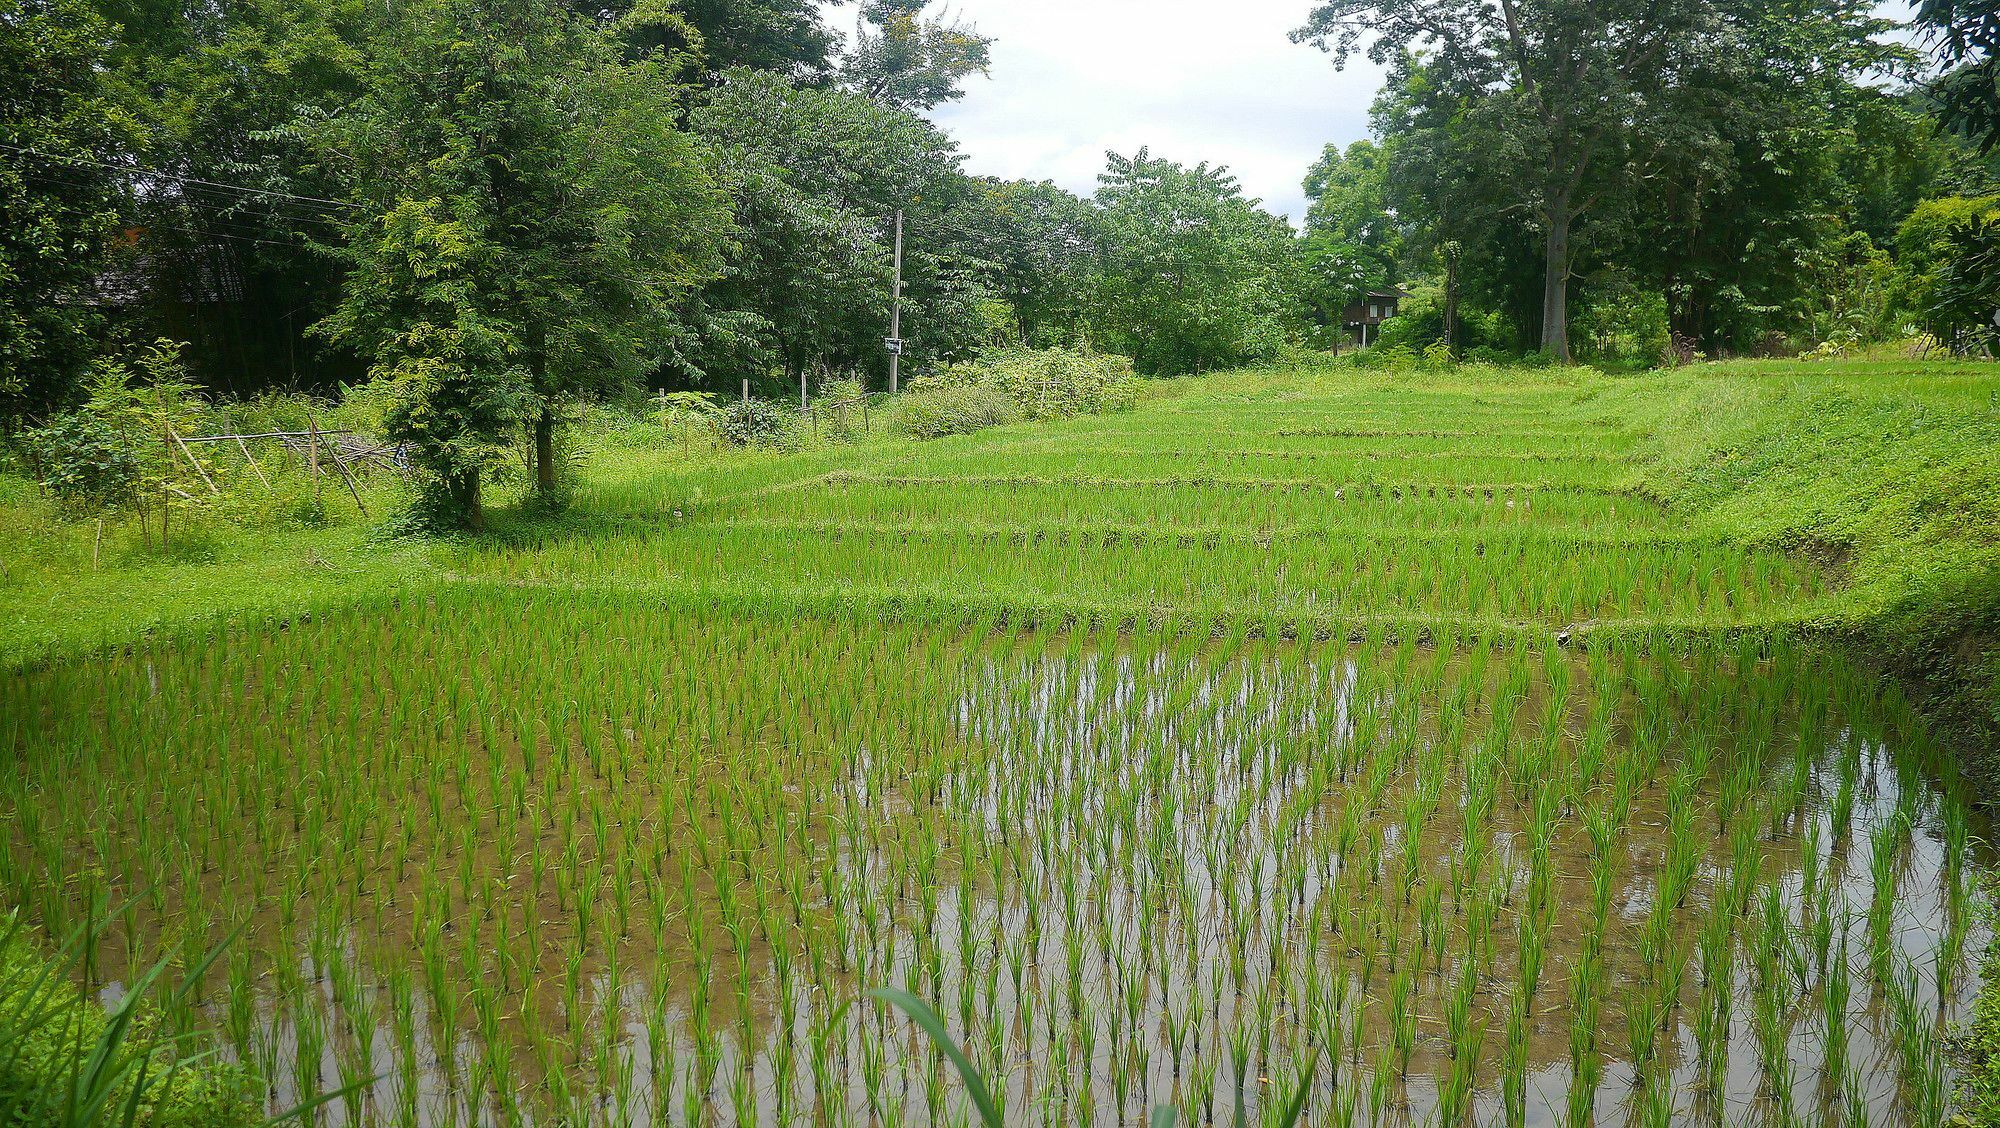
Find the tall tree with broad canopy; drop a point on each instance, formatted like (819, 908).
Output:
(1744, 220)
(62, 138)
(531, 214)
(786, 37)
(1195, 276)
(816, 175)
(1559, 94)
(1043, 245)
(901, 59)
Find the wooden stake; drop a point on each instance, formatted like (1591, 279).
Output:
(175, 436)
(312, 452)
(342, 467)
(256, 469)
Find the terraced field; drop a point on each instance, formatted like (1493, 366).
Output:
(1374, 741)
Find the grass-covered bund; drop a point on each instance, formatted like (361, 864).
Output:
(1499, 744)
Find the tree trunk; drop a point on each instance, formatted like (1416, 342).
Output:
(463, 490)
(1555, 285)
(1451, 304)
(545, 453)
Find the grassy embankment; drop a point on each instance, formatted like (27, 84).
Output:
(1884, 474)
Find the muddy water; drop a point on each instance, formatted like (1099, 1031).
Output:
(1126, 873)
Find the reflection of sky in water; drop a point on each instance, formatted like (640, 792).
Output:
(1217, 841)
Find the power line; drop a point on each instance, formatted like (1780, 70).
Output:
(211, 214)
(272, 193)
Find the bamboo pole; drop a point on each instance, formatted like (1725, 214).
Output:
(352, 489)
(254, 468)
(262, 435)
(189, 455)
(312, 454)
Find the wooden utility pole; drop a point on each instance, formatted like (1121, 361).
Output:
(896, 309)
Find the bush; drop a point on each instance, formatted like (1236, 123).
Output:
(932, 410)
(840, 407)
(1054, 383)
(754, 423)
(113, 452)
(87, 460)
(1979, 1087)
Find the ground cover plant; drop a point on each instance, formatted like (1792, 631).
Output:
(1402, 740)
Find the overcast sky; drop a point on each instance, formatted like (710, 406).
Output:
(1196, 80)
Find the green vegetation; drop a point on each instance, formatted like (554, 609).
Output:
(1886, 472)
(1234, 746)
(1979, 1092)
(70, 1063)
(458, 543)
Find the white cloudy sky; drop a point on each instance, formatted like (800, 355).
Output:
(1196, 80)
(1213, 80)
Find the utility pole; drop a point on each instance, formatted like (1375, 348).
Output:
(896, 309)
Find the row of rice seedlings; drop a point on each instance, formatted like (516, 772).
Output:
(864, 498)
(1204, 462)
(1541, 579)
(488, 849)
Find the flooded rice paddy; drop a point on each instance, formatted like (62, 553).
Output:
(571, 857)
(1380, 737)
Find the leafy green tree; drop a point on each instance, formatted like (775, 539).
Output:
(1967, 35)
(903, 60)
(816, 175)
(228, 226)
(1964, 311)
(786, 37)
(1729, 173)
(1549, 99)
(1195, 276)
(533, 213)
(1939, 251)
(1347, 199)
(1333, 276)
(1743, 223)
(63, 139)
(1043, 245)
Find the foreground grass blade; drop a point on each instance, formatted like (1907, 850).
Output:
(975, 1086)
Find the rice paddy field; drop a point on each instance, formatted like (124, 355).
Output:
(1389, 741)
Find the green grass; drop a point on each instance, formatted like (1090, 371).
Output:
(1858, 496)
(1890, 468)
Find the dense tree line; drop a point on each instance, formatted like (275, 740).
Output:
(1721, 172)
(500, 209)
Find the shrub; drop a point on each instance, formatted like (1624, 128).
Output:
(754, 423)
(1056, 383)
(932, 410)
(1979, 1086)
(113, 451)
(88, 460)
(840, 407)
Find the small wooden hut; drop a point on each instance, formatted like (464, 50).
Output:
(1364, 318)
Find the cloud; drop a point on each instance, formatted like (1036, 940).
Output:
(1194, 80)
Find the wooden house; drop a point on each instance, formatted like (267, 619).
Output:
(1364, 318)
